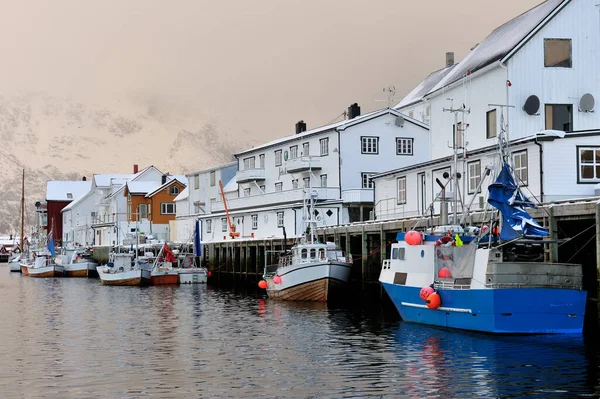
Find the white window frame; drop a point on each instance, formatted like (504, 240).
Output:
(491, 129)
(254, 221)
(369, 145)
(224, 225)
(208, 225)
(294, 152)
(404, 146)
(213, 178)
(280, 219)
(324, 146)
(595, 164)
(164, 208)
(365, 179)
(247, 192)
(249, 163)
(261, 161)
(278, 187)
(196, 182)
(474, 176)
(401, 190)
(294, 184)
(518, 169)
(323, 180)
(174, 190)
(142, 215)
(278, 158)
(306, 149)
(306, 182)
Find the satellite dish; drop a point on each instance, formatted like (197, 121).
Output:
(400, 121)
(586, 103)
(532, 105)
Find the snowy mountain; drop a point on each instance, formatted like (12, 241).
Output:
(60, 139)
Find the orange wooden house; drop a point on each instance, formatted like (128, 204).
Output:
(152, 201)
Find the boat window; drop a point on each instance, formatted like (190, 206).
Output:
(304, 253)
(401, 252)
(321, 253)
(313, 253)
(394, 253)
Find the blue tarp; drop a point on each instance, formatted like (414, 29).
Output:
(51, 246)
(506, 196)
(197, 246)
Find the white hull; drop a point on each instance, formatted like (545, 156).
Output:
(130, 277)
(192, 276)
(15, 265)
(295, 277)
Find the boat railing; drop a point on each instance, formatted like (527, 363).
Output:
(271, 270)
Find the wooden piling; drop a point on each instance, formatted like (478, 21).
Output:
(598, 251)
(364, 252)
(553, 225)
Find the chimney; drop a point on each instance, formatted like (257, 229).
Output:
(164, 179)
(300, 127)
(353, 111)
(449, 59)
(84, 178)
(135, 168)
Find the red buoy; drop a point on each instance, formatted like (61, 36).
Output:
(425, 292)
(277, 280)
(208, 273)
(444, 273)
(434, 301)
(262, 284)
(413, 238)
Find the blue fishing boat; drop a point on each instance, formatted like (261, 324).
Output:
(488, 279)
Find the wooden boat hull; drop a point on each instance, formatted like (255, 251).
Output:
(24, 270)
(126, 278)
(320, 282)
(164, 278)
(192, 276)
(76, 273)
(45, 272)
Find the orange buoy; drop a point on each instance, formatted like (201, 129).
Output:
(277, 280)
(425, 292)
(413, 238)
(434, 301)
(444, 273)
(262, 284)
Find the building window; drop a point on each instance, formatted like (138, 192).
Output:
(404, 146)
(323, 180)
(474, 169)
(557, 53)
(294, 152)
(247, 192)
(305, 150)
(196, 182)
(490, 124)
(129, 197)
(174, 190)
(261, 161)
(559, 117)
(128, 212)
(69, 195)
(324, 145)
(520, 167)
(213, 179)
(280, 219)
(249, 163)
(401, 184)
(143, 211)
(306, 182)
(457, 133)
(369, 145)
(278, 158)
(294, 184)
(589, 164)
(223, 224)
(167, 208)
(208, 225)
(366, 180)
(278, 187)
(254, 222)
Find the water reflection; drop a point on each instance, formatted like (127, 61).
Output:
(73, 338)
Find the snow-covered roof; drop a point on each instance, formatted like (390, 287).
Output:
(500, 42)
(142, 187)
(169, 181)
(424, 87)
(185, 194)
(66, 190)
(333, 126)
(76, 201)
(181, 178)
(105, 180)
(227, 165)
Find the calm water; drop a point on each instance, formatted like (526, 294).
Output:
(73, 338)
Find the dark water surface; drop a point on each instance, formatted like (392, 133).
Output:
(74, 338)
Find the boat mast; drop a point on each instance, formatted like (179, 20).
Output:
(22, 211)
(457, 133)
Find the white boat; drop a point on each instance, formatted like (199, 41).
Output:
(311, 271)
(44, 266)
(14, 263)
(193, 275)
(124, 270)
(75, 264)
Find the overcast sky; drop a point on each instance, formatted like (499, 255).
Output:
(255, 65)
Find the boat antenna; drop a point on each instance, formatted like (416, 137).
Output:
(22, 211)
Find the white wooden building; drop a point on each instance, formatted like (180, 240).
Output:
(534, 74)
(333, 163)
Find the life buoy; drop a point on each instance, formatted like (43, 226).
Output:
(445, 240)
